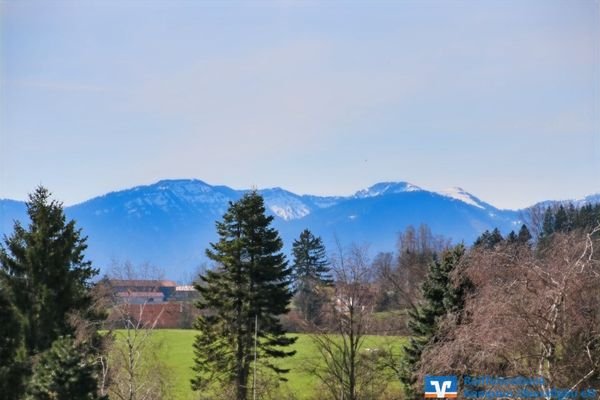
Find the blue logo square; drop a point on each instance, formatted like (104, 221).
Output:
(441, 387)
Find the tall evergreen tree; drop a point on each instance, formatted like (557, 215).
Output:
(489, 239)
(548, 223)
(251, 284)
(43, 270)
(524, 235)
(311, 274)
(512, 237)
(440, 296)
(561, 220)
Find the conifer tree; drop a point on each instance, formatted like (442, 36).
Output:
(44, 268)
(512, 237)
(548, 223)
(561, 220)
(65, 371)
(439, 297)
(524, 235)
(311, 274)
(12, 366)
(489, 239)
(45, 277)
(250, 284)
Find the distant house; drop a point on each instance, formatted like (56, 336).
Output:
(160, 303)
(139, 291)
(140, 297)
(186, 293)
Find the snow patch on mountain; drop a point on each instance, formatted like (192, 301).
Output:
(289, 212)
(188, 191)
(590, 199)
(284, 204)
(383, 188)
(323, 201)
(460, 194)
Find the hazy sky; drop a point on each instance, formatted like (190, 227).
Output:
(501, 98)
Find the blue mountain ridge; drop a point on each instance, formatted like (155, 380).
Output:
(170, 223)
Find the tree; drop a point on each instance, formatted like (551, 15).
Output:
(44, 268)
(416, 250)
(311, 275)
(347, 370)
(548, 224)
(561, 220)
(248, 290)
(524, 236)
(65, 371)
(440, 297)
(534, 310)
(489, 239)
(11, 349)
(133, 365)
(46, 278)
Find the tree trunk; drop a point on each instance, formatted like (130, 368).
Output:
(241, 378)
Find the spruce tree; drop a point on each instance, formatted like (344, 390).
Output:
(44, 268)
(489, 239)
(524, 235)
(251, 283)
(311, 274)
(512, 237)
(65, 371)
(561, 220)
(45, 277)
(440, 297)
(548, 223)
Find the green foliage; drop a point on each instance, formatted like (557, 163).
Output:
(548, 224)
(489, 239)
(45, 284)
(524, 235)
(251, 281)
(311, 275)
(561, 220)
(440, 296)
(64, 371)
(44, 268)
(12, 365)
(587, 217)
(565, 219)
(173, 348)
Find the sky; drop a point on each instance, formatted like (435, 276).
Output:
(501, 98)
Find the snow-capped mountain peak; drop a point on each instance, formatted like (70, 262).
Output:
(284, 204)
(382, 188)
(460, 194)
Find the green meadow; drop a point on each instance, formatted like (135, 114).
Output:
(175, 346)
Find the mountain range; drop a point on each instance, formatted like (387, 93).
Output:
(170, 223)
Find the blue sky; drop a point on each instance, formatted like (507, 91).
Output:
(501, 98)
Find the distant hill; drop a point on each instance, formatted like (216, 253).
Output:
(170, 223)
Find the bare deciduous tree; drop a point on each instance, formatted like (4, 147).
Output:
(533, 218)
(133, 365)
(533, 312)
(416, 249)
(347, 369)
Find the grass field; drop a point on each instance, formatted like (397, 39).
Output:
(176, 351)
